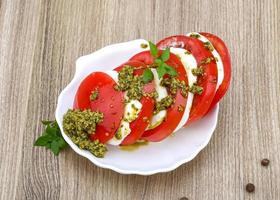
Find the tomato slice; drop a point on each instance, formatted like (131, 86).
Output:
(201, 103)
(139, 125)
(173, 115)
(110, 102)
(221, 48)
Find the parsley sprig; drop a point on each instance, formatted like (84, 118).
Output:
(51, 138)
(160, 63)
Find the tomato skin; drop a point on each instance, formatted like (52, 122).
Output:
(201, 103)
(222, 50)
(173, 116)
(139, 125)
(110, 102)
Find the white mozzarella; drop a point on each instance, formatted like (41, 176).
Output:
(219, 62)
(189, 63)
(131, 112)
(162, 92)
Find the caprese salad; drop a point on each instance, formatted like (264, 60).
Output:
(158, 91)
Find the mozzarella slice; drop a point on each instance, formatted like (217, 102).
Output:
(217, 56)
(131, 112)
(189, 63)
(162, 92)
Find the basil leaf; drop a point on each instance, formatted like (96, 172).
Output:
(158, 61)
(51, 138)
(42, 141)
(46, 122)
(147, 75)
(165, 54)
(62, 144)
(169, 70)
(55, 147)
(161, 71)
(153, 49)
(51, 131)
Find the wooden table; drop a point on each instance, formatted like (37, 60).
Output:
(39, 43)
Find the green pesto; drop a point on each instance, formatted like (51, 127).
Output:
(207, 60)
(163, 104)
(198, 71)
(118, 134)
(78, 125)
(130, 83)
(173, 84)
(153, 95)
(208, 46)
(133, 85)
(195, 89)
(187, 52)
(125, 77)
(194, 35)
(94, 95)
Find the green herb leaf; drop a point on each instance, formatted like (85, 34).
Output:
(42, 141)
(158, 61)
(147, 75)
(165, 54)
(46, 122)
(161, 70)
(55, 147)
(169, 70)
(153, 49)
(51, 138)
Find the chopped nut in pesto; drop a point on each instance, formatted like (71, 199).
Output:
(194, 35)
(208, 46)
(195, 89)
(173, 84)
(163, 104)
(197, 71)
(94, 95)
(78, 125)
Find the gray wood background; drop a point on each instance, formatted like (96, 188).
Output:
(39, 43)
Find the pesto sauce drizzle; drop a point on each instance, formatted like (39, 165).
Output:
(194, 35)
(173, 84)
(208, 46)
(163, 104)
(197, 71)
(195, 89)
(133, 85)
(94, 95)
(130, 83)
(79, 125)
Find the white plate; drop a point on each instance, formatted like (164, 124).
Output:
(153, 158)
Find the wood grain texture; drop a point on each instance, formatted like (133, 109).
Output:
(39, 43)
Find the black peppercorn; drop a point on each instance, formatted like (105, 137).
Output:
(265, 162)
(250, 187)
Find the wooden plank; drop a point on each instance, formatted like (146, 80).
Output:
(39, 43)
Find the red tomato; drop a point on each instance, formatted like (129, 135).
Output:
(110, 102)
(173, 116)
(201, 103)
(139, 125)
(221, 48)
